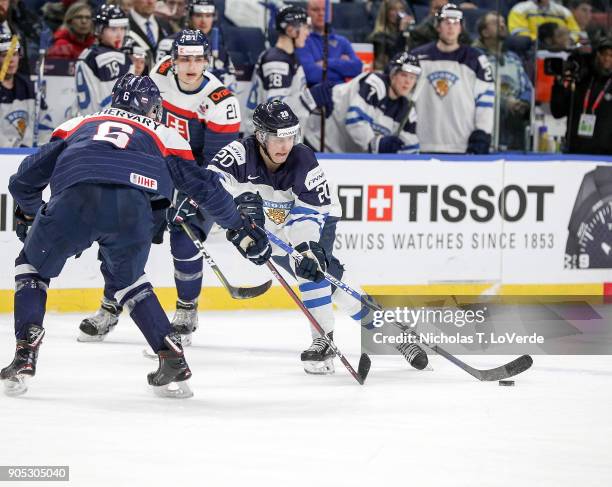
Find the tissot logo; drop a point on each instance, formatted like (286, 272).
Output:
(453, 203)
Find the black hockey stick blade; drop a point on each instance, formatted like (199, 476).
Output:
(511, 369)
(249, 292)
(364, 366)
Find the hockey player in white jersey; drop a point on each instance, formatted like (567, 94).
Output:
(279, 183)
(17, 100)
(455, 94)
(207, 115)
(278, 74)
(372, 112)
(201, 16)
(100, 66)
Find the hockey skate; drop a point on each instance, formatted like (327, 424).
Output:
(96, 327)
(319, 358)
(414, 354)
(23, 365)
(185, 320)
(170, 378)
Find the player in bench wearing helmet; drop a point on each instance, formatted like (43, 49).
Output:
(278, 74)
(454, 96)
(373, 112)
(201, 16)
(100, 66)
(279, 183)
(103, 170)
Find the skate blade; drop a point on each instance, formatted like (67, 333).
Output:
(85, 338)
(15, 386)
(326, 367)
(174, 390)
(148, 353)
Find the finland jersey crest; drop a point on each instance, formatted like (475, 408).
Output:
(442, 81)
(277, 211)
(19, 120)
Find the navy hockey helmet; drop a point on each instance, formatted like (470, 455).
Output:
(405, 62)
(450, 11)
(110, 16)
(291, 15)
(131, 48)
(201, 7)
(138, 94)
(5, 43)
(190, 43)
(275, 118)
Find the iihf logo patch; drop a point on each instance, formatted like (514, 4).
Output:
(19, 120)
(442, 82)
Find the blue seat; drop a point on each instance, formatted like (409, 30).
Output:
(348, 16)
(471, 16)
(246, 40)
(493, 5)
(420, 12)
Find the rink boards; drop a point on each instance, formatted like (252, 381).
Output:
(456, 224)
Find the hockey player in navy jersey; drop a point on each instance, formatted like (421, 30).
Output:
(103, 170)
(201, 16)
(278, 74)
(372, 112)
(278, 182)
(100, 66)
(455, 93)
(207, 115)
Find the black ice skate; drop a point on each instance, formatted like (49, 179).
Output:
(414, 354)
(95, 328)
(319, 358)
(170, 378)
(23, 365)
(185, 320)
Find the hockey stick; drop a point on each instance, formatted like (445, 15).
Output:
(46, 36)
(9, 56)
(510, 369)
(364, 360)
(235, 292)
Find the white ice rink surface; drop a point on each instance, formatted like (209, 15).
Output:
(258, 420)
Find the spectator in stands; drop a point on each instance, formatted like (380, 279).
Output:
(554, 37)
(589, 129)
(173, 11)
(146, 29)
(342, 61)
(454, 95)
(525, 17)
(515, 90)
(425, 32)
(17, 99)
(75, 35)
(16, 18)
(388, 35)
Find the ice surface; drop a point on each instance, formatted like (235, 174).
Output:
(258, 420)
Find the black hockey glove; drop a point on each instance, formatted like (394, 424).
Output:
(183, 208)
(251, 204)
(314, 261)
(479, 142)
(251, 241)
(390, 144)
(23, 223)
(322, 96)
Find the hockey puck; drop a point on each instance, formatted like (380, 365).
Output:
(506, 383)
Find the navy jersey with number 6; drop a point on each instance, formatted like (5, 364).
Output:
(120, 148)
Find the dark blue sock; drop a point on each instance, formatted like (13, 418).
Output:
(187, 273)
(29, 304)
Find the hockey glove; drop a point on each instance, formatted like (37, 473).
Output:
(251, 241)
(23, 223)
(390, 144)
(314, 261)
(479, 142)
(251, 204)
(319, 96)
(183, 208)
